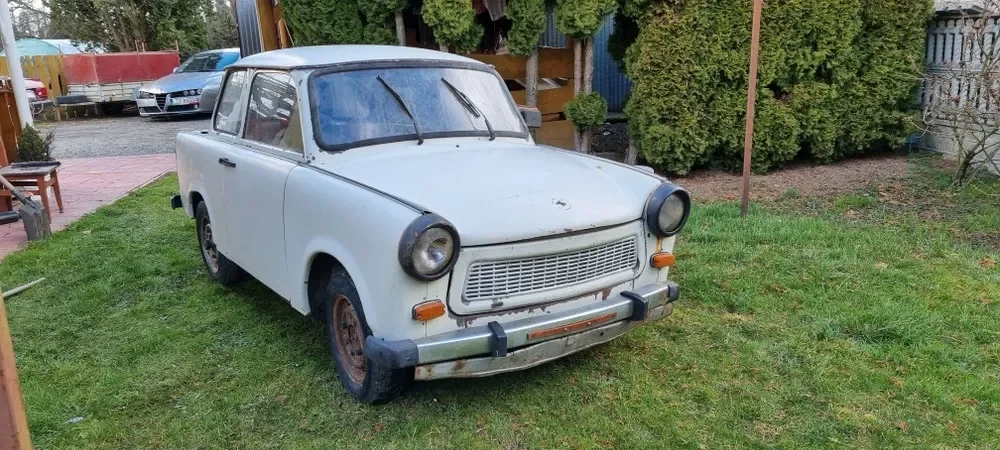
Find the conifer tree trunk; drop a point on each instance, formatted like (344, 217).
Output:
(588, 87)
(577, 85)
(400, 29)
(531, 81)
(632, 156)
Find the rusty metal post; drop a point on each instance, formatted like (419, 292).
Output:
(751, 107)
(13, 423)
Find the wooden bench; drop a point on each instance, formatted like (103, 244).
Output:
(33, 179)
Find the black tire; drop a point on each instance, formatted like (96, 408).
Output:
(219, 267)
(72, 99)
(362, 378)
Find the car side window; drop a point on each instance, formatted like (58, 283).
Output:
(228, 116)
(273, 114)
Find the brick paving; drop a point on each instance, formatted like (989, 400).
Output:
(88, 183)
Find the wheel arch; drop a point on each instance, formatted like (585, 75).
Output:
(323, 260)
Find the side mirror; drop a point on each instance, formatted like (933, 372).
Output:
(532, 116)
(175, 69)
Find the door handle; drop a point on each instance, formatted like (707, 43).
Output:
(226, 162)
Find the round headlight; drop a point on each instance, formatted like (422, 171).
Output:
(428, 248)
(668, 210)
(433, 251)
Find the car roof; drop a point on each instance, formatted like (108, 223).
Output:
(328, 55)
(220, 50)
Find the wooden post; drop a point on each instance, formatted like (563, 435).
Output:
(13, 423)
(751, 107)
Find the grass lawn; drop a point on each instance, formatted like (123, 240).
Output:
(870, 320)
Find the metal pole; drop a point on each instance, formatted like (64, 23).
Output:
(14, 64)
(751, 107)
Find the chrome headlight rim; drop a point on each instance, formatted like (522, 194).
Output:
(412, 234)
(656, 204)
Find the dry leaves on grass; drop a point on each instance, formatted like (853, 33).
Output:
(988, 263)
(805, 179)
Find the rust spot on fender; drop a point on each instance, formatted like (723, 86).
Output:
(605, 294)
(459, 365)
(659, 245)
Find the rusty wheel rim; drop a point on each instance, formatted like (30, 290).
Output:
(208, 249)
(350, 338)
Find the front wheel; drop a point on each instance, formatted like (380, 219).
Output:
(347, 330)
(219, 267)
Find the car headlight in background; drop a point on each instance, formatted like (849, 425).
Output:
(189, 93)
(668, 209)
(144, 94)
(429, 248)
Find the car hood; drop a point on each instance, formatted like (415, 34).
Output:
(183, 81)
(496, 192)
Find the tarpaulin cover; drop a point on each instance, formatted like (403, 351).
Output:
(105, 68)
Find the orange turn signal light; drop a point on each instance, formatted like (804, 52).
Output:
(428, 310)
(661, 260)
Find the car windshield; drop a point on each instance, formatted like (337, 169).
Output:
(209, 62)
(362, 107)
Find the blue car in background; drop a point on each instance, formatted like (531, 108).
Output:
(191, 89)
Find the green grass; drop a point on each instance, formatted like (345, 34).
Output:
(798, 327)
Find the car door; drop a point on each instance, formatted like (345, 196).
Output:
(271, 146)
(218, 144)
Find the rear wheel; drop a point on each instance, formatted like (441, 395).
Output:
(219, 267)
(347, 330)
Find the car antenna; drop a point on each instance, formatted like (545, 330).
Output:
(464, 99)
(402, 104)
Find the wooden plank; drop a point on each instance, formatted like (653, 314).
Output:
(557, 134)
(56, 88)
(13, 422)
(10, 123)
(551, 117)
(41, 68)
(26, 67)
(552, 63)
(550, 101)
(268, 25)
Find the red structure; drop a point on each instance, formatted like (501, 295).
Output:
(105, 68)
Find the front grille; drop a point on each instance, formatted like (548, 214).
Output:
(161, 101)
(496, 280)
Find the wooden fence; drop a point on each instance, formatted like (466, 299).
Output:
(48, 69)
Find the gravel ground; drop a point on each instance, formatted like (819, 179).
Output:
(119, 136)
(806, 178)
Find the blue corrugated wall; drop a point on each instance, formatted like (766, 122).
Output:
(613, 85)
(609, 81)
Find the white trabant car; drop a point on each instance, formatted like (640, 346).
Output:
(397, 195)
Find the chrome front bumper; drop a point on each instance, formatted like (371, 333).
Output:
(525, 343)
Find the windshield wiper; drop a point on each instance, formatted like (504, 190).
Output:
(402, 104)
(465, 101)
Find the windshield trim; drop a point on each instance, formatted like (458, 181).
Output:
(404, 64)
